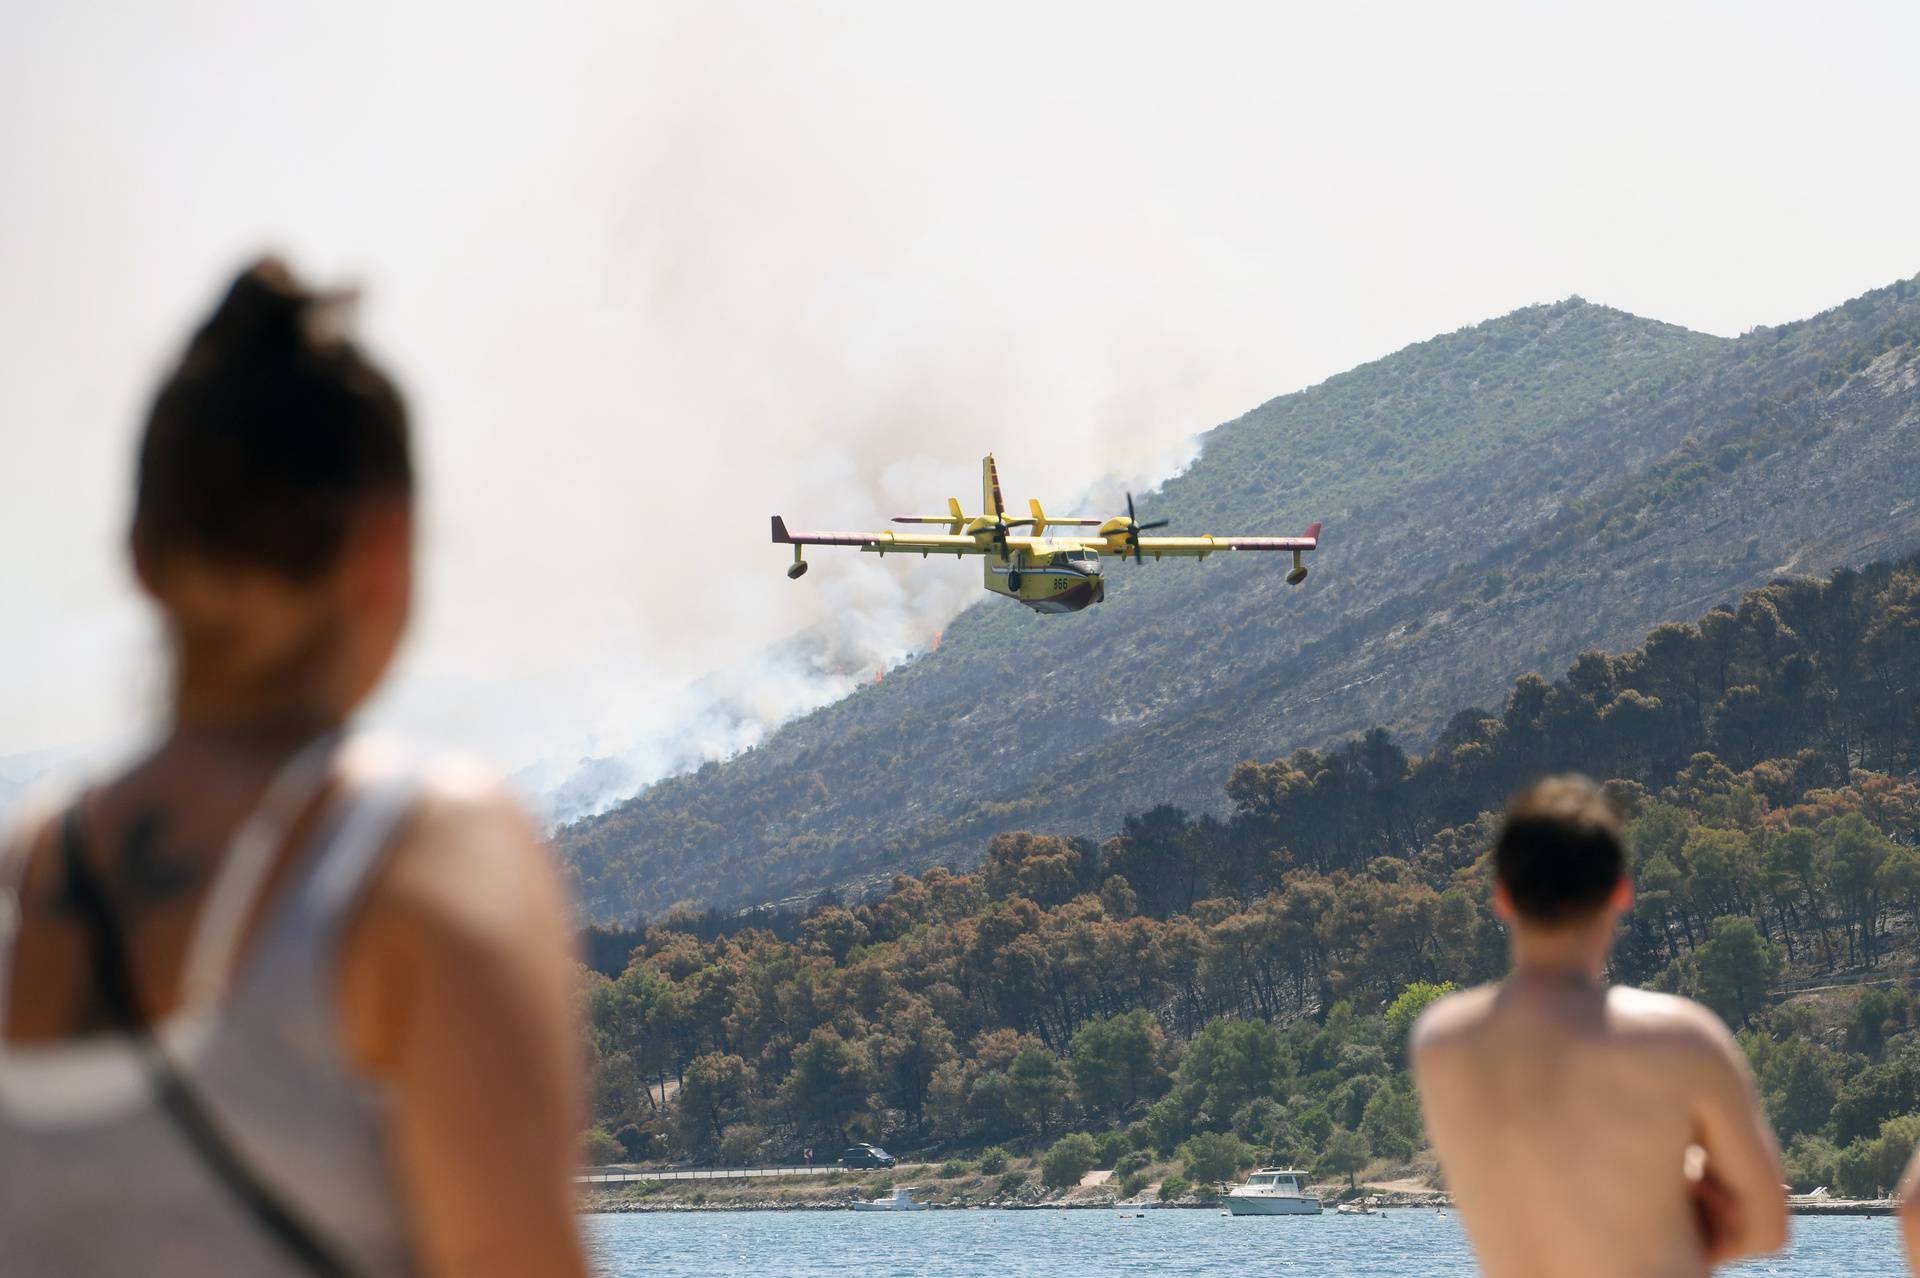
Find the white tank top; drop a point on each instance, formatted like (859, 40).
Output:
(95, 1179)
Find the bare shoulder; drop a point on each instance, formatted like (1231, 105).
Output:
(1452, 1020)
(468, 862)
(466, 919)
(1671, 1021)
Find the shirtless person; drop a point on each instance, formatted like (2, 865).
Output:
(1910, 1212)
(1588, 1129)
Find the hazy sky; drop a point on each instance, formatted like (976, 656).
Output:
(652, 272)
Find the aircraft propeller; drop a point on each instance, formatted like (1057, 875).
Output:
(999, 528)
(1134, 528)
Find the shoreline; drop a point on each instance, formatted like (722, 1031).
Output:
(989, 1193)
(1867, 1208)
(1847, 1207)
(624, 1201)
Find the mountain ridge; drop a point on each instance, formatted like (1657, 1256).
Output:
(1450, 474)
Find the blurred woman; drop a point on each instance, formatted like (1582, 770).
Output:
(281, 999)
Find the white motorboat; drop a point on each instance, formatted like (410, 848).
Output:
(899, 1200)
(1272, 1191)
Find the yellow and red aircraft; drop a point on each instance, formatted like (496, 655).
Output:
(1047, 574)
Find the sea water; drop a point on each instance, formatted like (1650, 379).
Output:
(1415, 1243)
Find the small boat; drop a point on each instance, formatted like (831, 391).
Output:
(899, 1200)
(1272, 1191)
(1353, 1209)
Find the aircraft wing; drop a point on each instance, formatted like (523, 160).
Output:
(1195, 546)
(885, 542)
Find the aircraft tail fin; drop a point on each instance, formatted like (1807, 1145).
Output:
(990, 503)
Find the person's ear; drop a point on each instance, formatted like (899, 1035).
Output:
(1503, 904)
(1622, 899)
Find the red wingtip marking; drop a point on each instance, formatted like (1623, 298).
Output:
(1313, 532)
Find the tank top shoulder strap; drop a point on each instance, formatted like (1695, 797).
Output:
(243, 870)
(366, 824)
(295, 959)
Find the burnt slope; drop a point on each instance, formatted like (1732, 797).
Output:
(1496, 500)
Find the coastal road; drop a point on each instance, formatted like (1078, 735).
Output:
(618, 1176)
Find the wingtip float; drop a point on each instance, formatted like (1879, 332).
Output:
(1046, 573)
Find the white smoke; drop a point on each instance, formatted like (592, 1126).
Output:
(653, 272)
(877, 616)
(817, 310)
(880, 618)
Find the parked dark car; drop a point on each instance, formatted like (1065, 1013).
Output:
(866, 1156)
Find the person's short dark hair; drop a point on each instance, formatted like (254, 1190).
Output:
(1559, 852)
(271, 436)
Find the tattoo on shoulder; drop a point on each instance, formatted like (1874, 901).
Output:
(138, 871)
(147, 870)
(141, 868)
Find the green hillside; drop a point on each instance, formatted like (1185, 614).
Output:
(1496, 500)
(1212, 994)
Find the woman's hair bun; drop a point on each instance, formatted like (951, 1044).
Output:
(270, 436)
(266, 311)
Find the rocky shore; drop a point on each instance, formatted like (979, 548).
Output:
(1015, 1191)
(1844, 1207)
(972, 1193)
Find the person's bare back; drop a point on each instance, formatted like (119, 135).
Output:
(1588, 1130)
(1564, 1112)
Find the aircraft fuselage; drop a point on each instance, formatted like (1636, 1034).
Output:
(1049, 579)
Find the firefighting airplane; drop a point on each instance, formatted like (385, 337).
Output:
(1047, 574)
